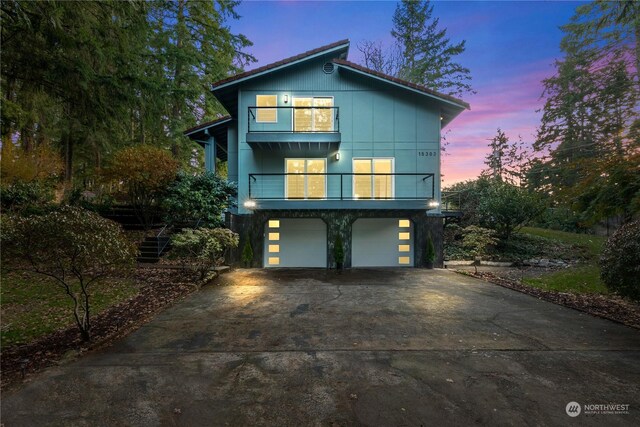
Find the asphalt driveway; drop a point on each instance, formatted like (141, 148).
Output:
(366, 347)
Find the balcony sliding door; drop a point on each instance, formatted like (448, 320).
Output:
(301, 181)
(310, 119)
(373, 179)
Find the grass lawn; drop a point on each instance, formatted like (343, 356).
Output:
(33, 305)
(582, 278)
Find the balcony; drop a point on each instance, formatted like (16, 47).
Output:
(294, 128)
(342, 191)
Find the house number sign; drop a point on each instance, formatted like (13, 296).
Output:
(428, 153)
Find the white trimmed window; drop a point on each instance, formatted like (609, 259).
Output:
(310, 118)
(266, 115)
(302, 181)
(373, 178)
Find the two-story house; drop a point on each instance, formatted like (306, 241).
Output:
(321, 147)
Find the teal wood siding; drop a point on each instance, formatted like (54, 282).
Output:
(374, 122)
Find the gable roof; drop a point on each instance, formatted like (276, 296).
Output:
(342, 45)
(206, 125)
(417, 87)
(216, 128)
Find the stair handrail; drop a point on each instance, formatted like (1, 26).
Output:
(163, 233)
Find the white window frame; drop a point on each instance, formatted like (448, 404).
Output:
(393, 178)
(258, 109)
(313, 117)
(286, 185)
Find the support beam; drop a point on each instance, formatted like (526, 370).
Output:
(210, 154)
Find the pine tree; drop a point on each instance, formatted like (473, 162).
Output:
(505, 159)
(427, 54)
(588, 130)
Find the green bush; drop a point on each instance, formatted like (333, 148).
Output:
(203, 196)
(429, 252)
(561, 219)
(204, 248)
(338, 251)
(505, 207)
(247, 254)
(620, 261)
(478, 240)
(74, 246)
(21, 196)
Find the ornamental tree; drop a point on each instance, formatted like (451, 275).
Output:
(145, 172)
(75, 247)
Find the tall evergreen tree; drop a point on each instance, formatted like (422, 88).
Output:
(428, 55)
(504, 161)
(588, 130)
(91, 77)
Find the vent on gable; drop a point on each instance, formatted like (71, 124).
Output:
(328, 67)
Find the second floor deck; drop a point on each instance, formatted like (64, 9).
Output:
(294, 127)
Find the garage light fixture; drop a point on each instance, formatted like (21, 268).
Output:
(433, 204)
(250, 204)
(337, 157)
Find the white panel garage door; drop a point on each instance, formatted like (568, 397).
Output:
(382, 242)
(295, 243)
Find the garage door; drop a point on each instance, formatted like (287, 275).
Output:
(295, 243)
(382, 242)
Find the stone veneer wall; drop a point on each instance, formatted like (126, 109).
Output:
(338, 222)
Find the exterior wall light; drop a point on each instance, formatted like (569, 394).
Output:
(337, 156)
(433, 204)
(286, 98)
(250, 204)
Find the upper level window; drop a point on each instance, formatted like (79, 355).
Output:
(314, 116)
(373, 178)
(266, 115)
(306, 178)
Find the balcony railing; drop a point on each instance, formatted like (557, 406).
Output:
(341, 186)
(293, 119)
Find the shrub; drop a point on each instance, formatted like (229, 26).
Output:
(247, 253)
(28, 178)
(338, 251)
(21, 196)
(74, 246)
(429, 252)
(203, 196)
(146, 172)
(505, 207)
(40, 164)
(204, 247)
(620, 261)
(478, 240)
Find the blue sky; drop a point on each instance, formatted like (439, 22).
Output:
(511, 46)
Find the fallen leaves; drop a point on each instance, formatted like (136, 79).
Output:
(610, 307)
(158, 289)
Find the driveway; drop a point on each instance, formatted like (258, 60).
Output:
(365, 347)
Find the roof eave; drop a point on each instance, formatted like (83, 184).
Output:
(462, 107)
(280, 67)
(205, 126)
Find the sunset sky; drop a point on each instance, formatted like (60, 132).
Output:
(511, 47)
